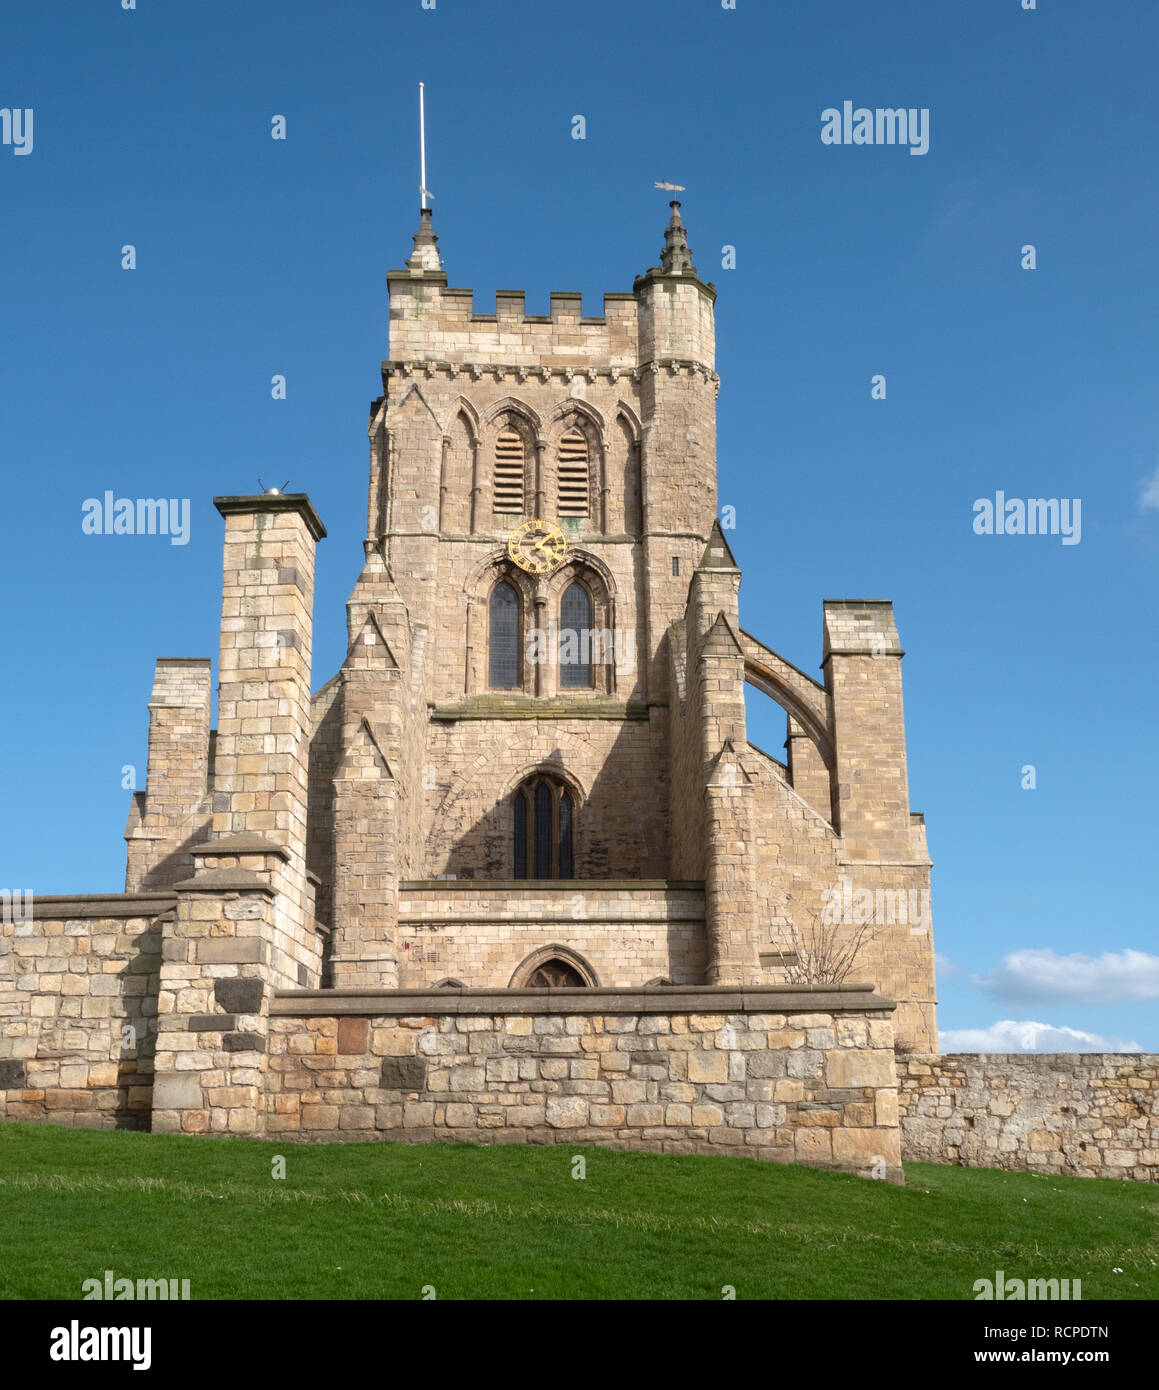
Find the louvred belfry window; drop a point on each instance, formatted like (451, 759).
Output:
(573, 474)
(509, 473)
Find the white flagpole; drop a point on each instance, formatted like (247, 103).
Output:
(422, 148)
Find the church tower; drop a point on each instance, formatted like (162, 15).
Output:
(532, 768)
(542, 489)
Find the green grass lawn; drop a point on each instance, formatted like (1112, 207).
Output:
(385, 1220)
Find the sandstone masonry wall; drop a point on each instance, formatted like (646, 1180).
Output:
(811, 1082)
(617, 769)
(78, 1011)
(174, 810)
(627, 933)
(1078, 1113)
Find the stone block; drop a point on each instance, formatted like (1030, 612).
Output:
(210, 1023)
(68, 1100)
(353, 1036)
(404, 1074)
(177, 1093)
(231, 950)
(320, 1117)
(812, 1145)
(850, 1067)
(243, 1120)
(863, 1147)
(12, 1075)
(226, 1097)
(566, 1112)
(704, 1067)
(768, 1066)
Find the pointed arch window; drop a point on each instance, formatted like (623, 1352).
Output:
(555, 974)
(574, 474)
(543, 826)
(509, 472)
(575, 638)
(503, 638)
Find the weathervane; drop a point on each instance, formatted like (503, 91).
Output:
(671, 187)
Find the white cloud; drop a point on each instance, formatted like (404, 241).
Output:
(1116, 977)
(945, 967)
(1013, 1036)
(1149, 493)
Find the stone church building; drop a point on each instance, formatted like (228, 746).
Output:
(538, 772)
(526, 802)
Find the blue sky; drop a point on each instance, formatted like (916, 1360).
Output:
(256, 257)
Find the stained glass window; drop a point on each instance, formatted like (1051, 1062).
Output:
(504, 638)
(575, 635)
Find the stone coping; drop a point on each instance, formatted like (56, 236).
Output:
(233, 846)
(744, 632)
(227, 881)
(532, 707)
(242, 844)
(658, 275)
(1038, 1061)
(663, 914)
(102, 904)
(669, 999)
(550, 887)
(274, 502)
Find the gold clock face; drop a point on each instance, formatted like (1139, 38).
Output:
(539, 547)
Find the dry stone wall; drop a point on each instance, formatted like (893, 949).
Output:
(1084, 1114)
